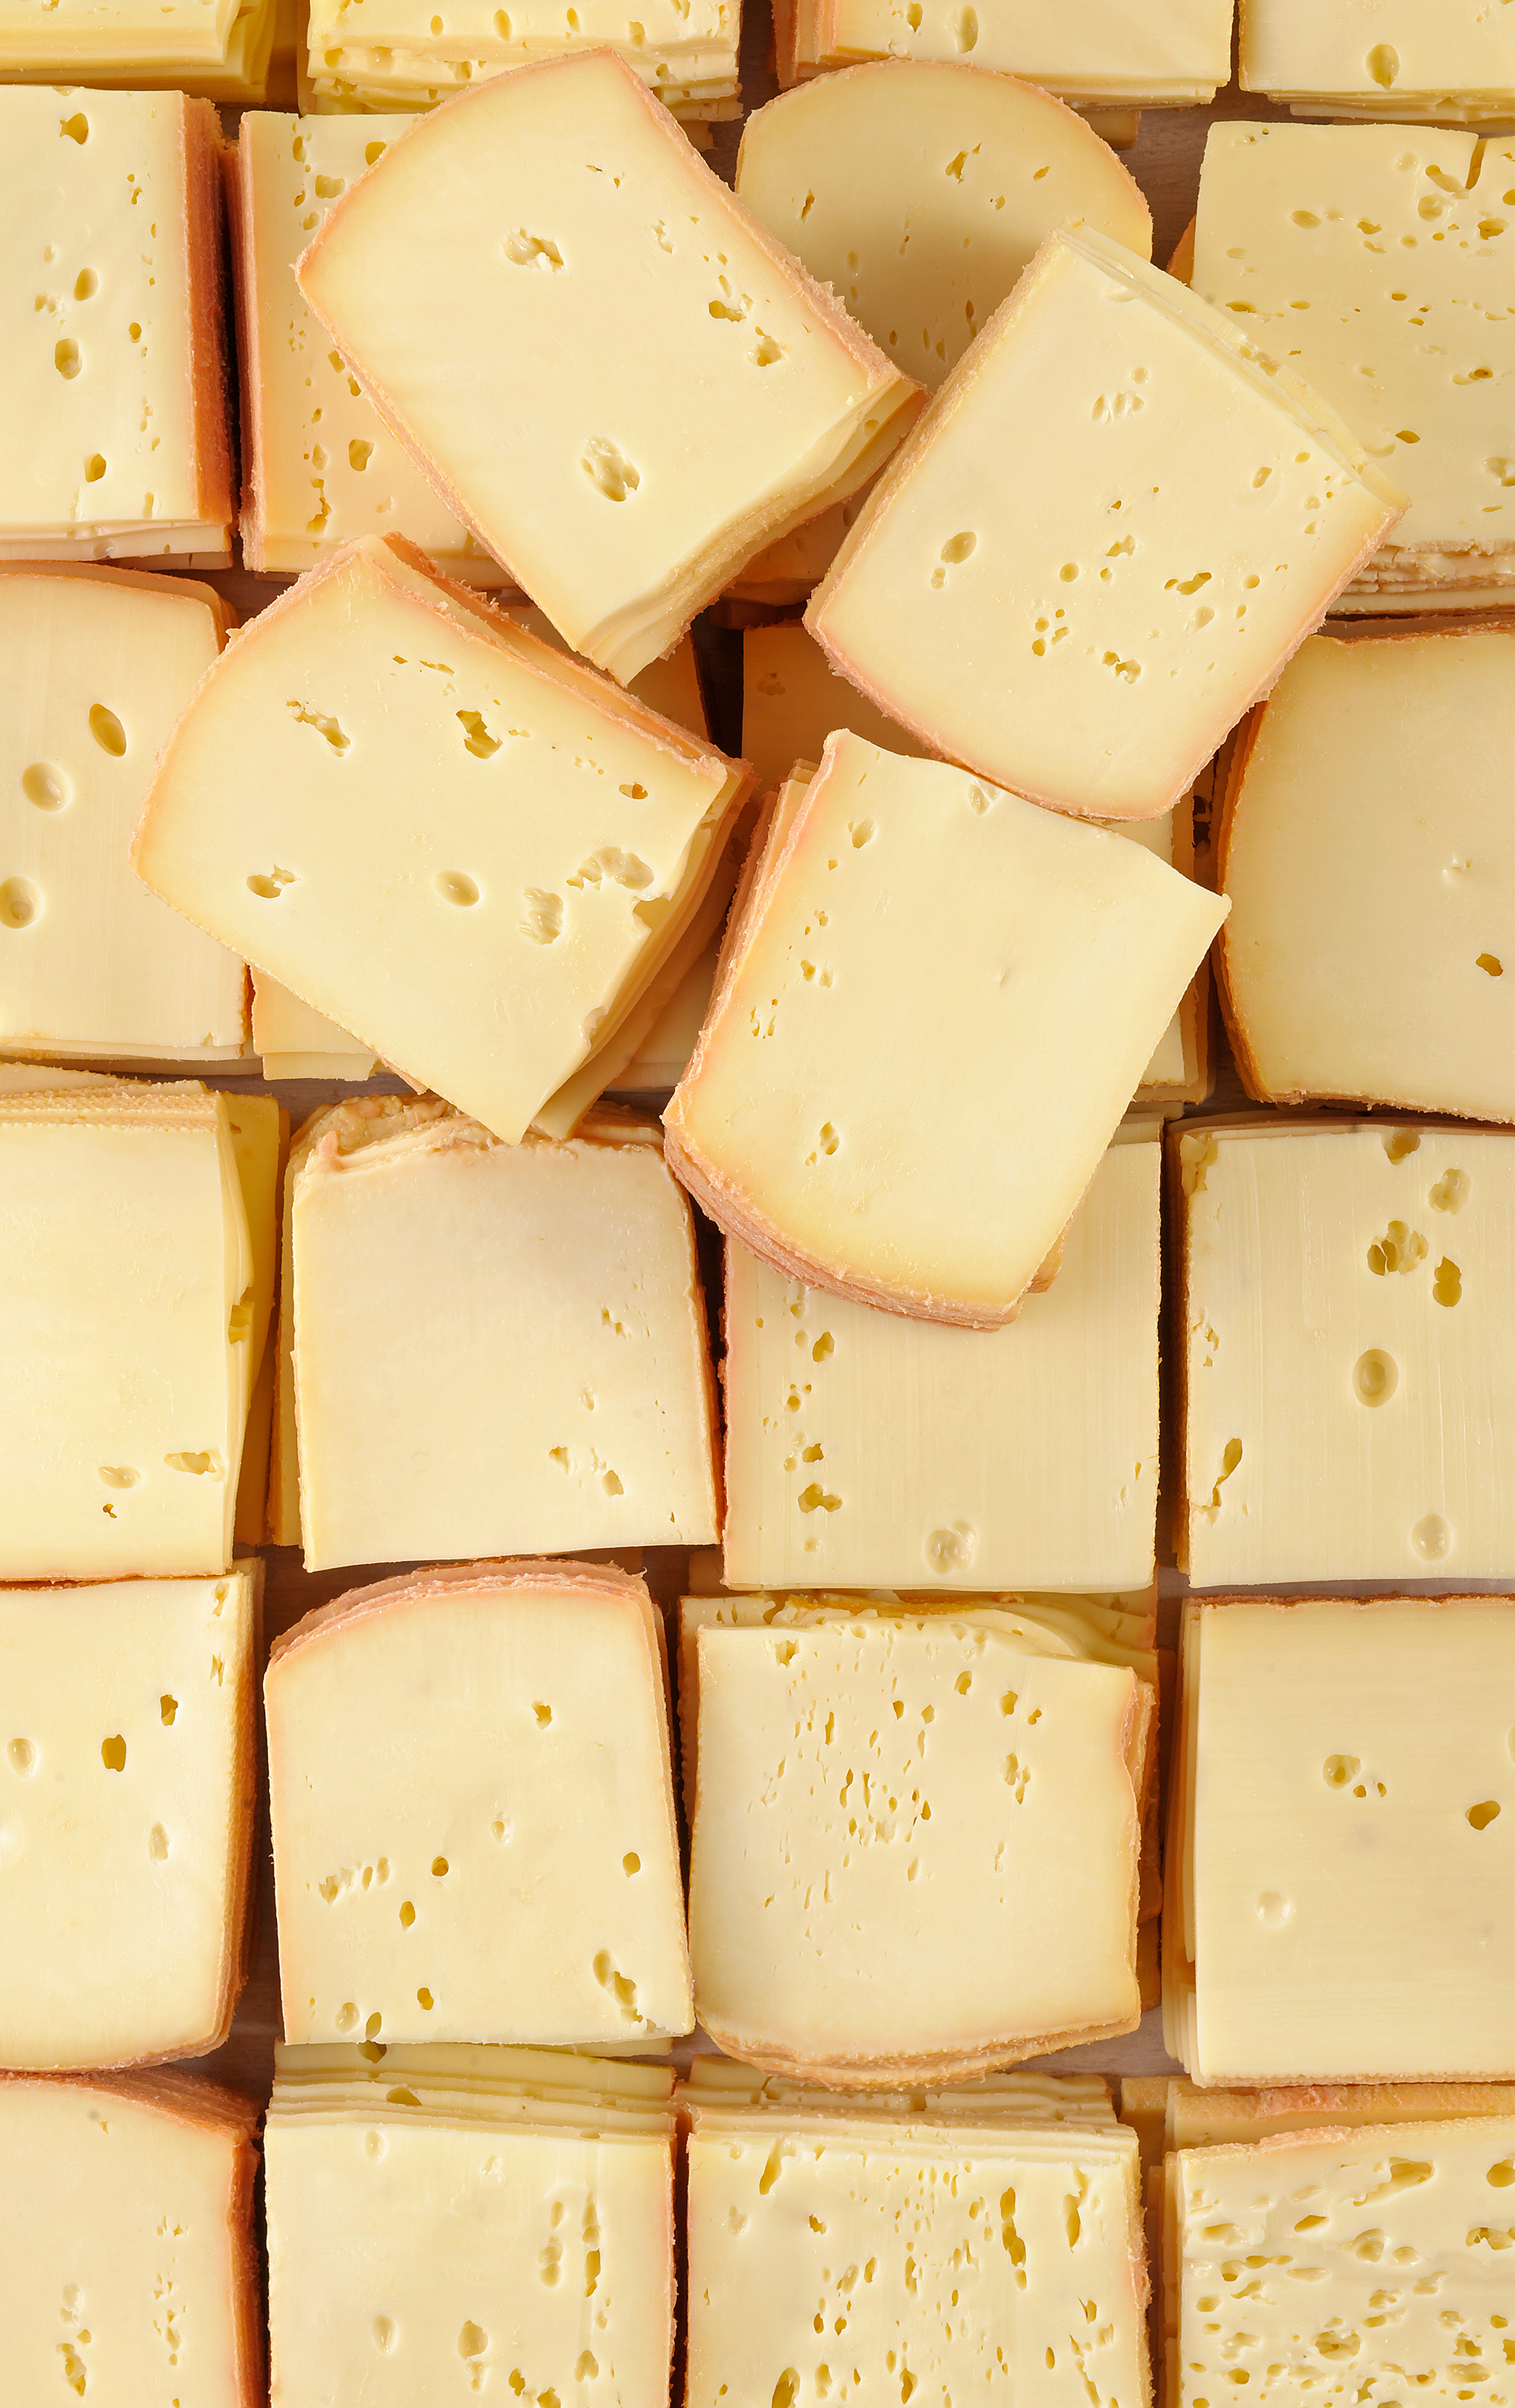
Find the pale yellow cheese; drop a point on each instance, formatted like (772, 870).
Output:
(630, 306)
(1206, 2119)
(865, 1451)
(1020, 2095)
(1415, 57)
(107, 32)
(126, 1812)
(295, 1043)
(920, 191)
(1348, 1396)
(686, 50)
(1092, 51)
(531, 2074)
(835, 1118)
(788, 570)
(497, 1349)
(670, 686)
(663, 1051)
(1102, 542)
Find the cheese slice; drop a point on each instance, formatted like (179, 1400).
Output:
(124, 1384)
(95, 666)
(631, 304)
(298, 1043)
(663, 1051)
(788, 570)
(126, 1837)
(1093, 50)
(115, 440)
(920, 191)
(1192, 2118)
(1022, 2096)
(915, 1848)
(1348, 1398)
(1143, 586)
(1385, 56)
(1364, 804)
(670, 686)
(434, 830)
(473, 1818)
(432, 1269)
(133, 2272)
(867, 1451)
(1007, 956)
(1367, 259)
(121, 34)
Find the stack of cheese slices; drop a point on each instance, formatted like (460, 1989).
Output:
(1452, 63)
(238, 52)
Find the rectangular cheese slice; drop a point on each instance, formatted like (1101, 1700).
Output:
(1366, 258)
(1368, 797)
(1145, 584)
(497, 1347)
(113, 422)
(867, 1451)
(434, 830)
(124, 1383)
(1385, 57)
(132, 2272)
(95, 666)
(915, 1848)
(1090, 50)
(127, 1832)
(925, 966)
(1349, 1401)
(634, 305)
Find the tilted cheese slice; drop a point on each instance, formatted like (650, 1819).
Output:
(440, 833)
(660, 1059)
(915, 1848)
(113, 424)
(1193, 2118)
(473, 1818)
(295, 1043)
(610, 304)
(935, 1009)
(1141, 587)
(133, 2272)
(127, 1836)
(920, 191)
(529, 2074)
(1091, 50)
(1382, 54)
(1343, 1283)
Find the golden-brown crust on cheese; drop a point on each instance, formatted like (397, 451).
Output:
(551, 1574)
(210, 399)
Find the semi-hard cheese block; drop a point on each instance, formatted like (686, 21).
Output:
(920, 191)
(130, 1302)
(438, 832)
(936, 1005)
(1365, 808)
(473, 1812)
(915, 1848)
(127, 1801)
(1367, 259)
(1102, 542)
(867, 1451)
(218, 50)
(679, 391)
(1348, 1398)
(496, 1348)
(95, 666)
(130, 2270)
(1337, 1846)
(1439, 59)
(114, 416)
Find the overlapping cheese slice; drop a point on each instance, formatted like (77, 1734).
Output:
(1368, 259)
(1338, 1838)
(1019, 2095)
(392, 53)
(114, 416)
(131, 2272)
(920, 965)
(920, 191)
(634, 306)
(1348, 1402)
(128, 1808)
(494, 1347)
(442, 834)
(1098, 54)
(221, 50)
(1188, 2117)
(473, 1815)
(1443, 61)
(295, 1043)
(1088, 633)
(915, 1845)
(95, 666)
(1365, 805)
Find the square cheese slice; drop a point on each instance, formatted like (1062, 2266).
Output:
(127, 1801)
(95, 666)
(915, 1848)
(132, 2271)
(629, 307)
(930, 1019)
(498, 1347)
(1382, 58)
(1365, 258)
(473, 1814)
(1104, 541)
(1365, 808)
(113, 422)
(864, 1451)
(1348, 1398)
(434, 830)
